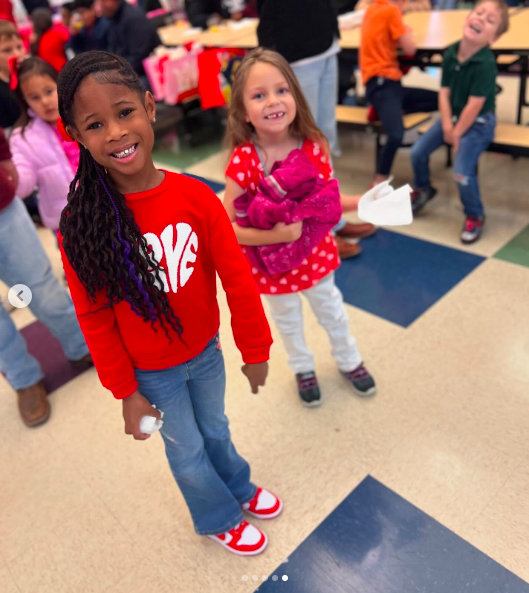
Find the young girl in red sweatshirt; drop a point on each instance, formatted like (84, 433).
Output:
(141, 249)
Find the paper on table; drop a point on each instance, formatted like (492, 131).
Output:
(194, 31)
(384, 206)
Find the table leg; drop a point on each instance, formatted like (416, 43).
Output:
(522, 101)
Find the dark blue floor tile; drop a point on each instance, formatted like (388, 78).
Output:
(376, 542)
(214, 185)
(398, 277)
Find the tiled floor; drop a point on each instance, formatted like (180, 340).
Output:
(85, 509)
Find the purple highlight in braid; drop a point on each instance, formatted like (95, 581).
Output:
(126, 253)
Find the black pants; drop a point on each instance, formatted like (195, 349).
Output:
(391, 100)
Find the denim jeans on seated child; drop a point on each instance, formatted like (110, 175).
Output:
(213, 478)
(472, 144)
(390, 99)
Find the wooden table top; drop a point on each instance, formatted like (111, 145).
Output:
(432, 31)
(517, 37)
(225, 35)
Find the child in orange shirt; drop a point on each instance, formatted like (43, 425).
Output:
(383, 34)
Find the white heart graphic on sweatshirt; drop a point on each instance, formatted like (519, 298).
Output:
(236, 159)
(246, 149)
(295, 272)
(273, 289)
(283, 281)
(294, 287)
(305, 278)
(241, 176)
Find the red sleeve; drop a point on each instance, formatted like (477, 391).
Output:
(248, 320)
(396, 25)
(239, 167)
(98, 324)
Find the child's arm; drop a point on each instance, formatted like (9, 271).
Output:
(349, 203)
(281, 233)
(407, 45)
(248, 320)
(467, 118)
(27, 174)
(446, 115)
(111, 359)
(98, 324)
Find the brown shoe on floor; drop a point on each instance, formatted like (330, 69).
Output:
(84, 363)
(33, 404)
(347, 250)
(357, 231)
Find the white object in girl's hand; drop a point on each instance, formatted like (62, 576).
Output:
(150, 424)
(385, 206)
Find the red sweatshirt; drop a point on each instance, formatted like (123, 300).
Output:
(52, 46)
(185, 224)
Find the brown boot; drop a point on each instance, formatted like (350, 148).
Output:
(84, 363)
(357, 231)
(347, 250)
(33, 404)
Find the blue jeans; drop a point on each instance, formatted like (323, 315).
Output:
(213, 477)
(391, 100)
(319, 83)
(472, 144)
(24, 261)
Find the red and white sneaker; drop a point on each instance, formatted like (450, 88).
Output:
(244, 540)
(264, 505)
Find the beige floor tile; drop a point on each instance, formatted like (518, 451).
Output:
(143, 579)
(212, 168)
(85, 550)
(501, 529)
(131, 477)
(7, 583)
(41, 484)
(446, 471)
(483, 321)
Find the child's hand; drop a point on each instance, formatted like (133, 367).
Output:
(288, 233)
(448, 135)
(256, 374)
(349, 203)
(135, 407)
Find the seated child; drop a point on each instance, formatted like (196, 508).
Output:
(467, 105)
(383, 34)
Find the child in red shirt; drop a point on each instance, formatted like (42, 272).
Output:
(141, 249)
(269, 117)
(49, 42)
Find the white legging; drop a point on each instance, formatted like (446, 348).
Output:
(326, 301)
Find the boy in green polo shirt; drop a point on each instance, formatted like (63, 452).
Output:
(467, 105)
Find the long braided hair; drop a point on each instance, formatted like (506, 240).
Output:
(100, 236)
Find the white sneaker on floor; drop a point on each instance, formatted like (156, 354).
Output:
(264, 505)
(244, 540)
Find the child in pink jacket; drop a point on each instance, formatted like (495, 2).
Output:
(43, 159)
